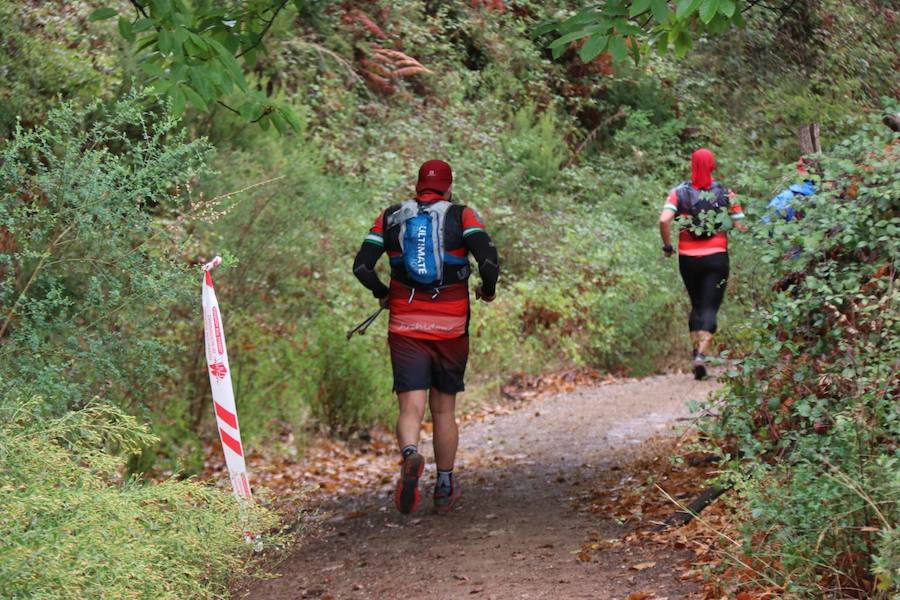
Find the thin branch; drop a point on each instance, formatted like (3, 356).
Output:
(132, 299)
(247, 188)
(781, 10)
(723, 536)
(140, 8)
(234, 110)
(268, 110)
(40, 266)
(263, 33)
(590, 136)
(323, 51)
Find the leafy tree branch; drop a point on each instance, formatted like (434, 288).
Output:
(632, 27)
(196, 53)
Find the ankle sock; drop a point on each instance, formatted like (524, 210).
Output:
(408, 449)
(444, 478)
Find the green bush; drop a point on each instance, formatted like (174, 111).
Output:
(535, 150)
(811, 411)
(72, 527)
(89, 267)
(42, 59)
(353, 386)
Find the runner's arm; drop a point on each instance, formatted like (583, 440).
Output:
(371, 250)
(480, 245)
(737, 213)
(482, 248)
(665, 226)
(666, 216)
(364, 269)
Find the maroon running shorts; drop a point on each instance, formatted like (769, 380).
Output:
(424, 364)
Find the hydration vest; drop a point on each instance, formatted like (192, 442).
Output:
(696, 203)
(425, 232)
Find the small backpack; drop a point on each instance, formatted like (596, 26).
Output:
(696, 203)
(422, 239)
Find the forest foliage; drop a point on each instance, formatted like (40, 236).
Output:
(809, 419)
(157, 135)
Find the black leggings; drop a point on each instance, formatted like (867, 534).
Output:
(705, 278)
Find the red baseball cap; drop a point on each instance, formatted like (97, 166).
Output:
(434, 175)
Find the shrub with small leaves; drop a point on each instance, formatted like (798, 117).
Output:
(72, 527)
(810, 416)
(88, 264)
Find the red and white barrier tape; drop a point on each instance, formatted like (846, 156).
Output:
(220, 381)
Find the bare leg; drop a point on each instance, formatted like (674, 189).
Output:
(704, 341)
(446, 433)
(412, 411)
(695, 340)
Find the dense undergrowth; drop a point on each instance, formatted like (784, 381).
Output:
(811, 415)
(109, 205)
(73, 528)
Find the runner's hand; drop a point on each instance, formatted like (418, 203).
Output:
(384, 302)
(479, 295)
(668, 254)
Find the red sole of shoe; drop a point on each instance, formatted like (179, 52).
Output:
(407, 495)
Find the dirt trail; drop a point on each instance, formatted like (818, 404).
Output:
(518, 528)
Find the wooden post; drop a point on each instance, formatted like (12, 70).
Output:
(809, 139)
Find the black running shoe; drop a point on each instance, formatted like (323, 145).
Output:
(699, 367)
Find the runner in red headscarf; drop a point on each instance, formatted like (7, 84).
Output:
(703, 206)
(429, 322)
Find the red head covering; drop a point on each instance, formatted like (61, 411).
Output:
(434, 175)
(703, 163)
